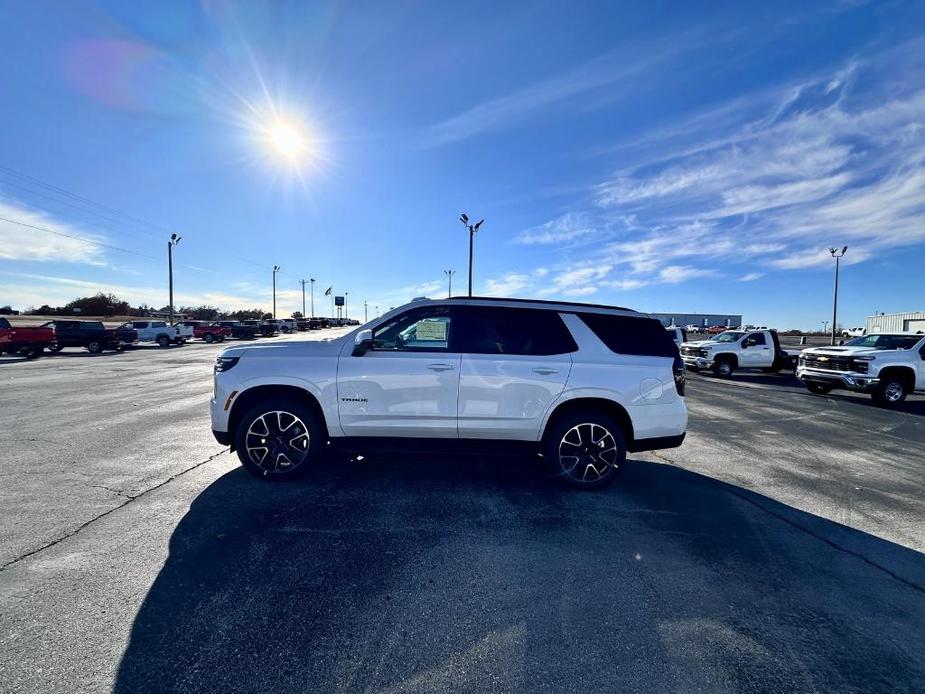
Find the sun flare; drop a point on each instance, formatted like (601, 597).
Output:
(287, 140)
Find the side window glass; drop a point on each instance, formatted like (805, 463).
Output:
(425, 329)
(757, 339)
(530, 332)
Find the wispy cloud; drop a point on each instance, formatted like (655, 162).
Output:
(569, 227)
(771, 180)
(605, 71)
(61, 244)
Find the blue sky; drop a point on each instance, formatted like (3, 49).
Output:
(665, 156)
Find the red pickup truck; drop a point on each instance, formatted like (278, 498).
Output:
(209, 332)
(27, 341)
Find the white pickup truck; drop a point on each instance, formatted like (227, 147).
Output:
(889, 366)
(739, 349)
(156, 331)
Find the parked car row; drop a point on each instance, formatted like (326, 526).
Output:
(95, 337)
(887, 366)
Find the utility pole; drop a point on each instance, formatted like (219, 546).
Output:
(346, 294)
(174, 240)
(464, 218)
(275, 270)
(838, 256)
(365, 312)
(449, 275)
(303, 297)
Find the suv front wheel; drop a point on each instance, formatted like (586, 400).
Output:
(279, 439)
(585, 450)
(891, 391)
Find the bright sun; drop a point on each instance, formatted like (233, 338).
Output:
(287, 140)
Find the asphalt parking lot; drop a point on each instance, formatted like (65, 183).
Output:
(780, 549)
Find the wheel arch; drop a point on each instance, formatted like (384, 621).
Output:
(905, 373)
(250, 397)
(611, 408)
(728, 356)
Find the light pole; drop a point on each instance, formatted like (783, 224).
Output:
(825, 327)
(838, 256)
(312, 280)
(464, 218)
(377, 311)
(346, 294)
(449, 275)
(275, 270)
(302, 282)
(365, 312)
(174, 240)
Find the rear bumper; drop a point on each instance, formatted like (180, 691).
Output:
(657, 444)
(861, 383)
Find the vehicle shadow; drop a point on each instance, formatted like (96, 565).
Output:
(481, 575)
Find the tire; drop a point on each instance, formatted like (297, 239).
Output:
(209, 338)
(891, 391)
(269, 416)
(593, 465)
(818, 388)
(163, 341)
(723, 368)
(94, 347)
(54, 348)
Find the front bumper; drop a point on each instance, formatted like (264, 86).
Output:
(697, 362)
(848, 380)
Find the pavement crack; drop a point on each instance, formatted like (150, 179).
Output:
(127, 500)
(794, 524)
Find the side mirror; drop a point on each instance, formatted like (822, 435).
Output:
(363, 343)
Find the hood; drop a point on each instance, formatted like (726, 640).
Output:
(842, 351)
(701, 344)
(301, 348)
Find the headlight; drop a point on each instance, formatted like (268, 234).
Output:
(225, 363)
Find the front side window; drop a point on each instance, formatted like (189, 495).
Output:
(425, 329)
(524, 331)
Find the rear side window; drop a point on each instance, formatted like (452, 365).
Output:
(500, 330)
(630, 335)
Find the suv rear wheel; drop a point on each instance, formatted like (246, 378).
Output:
(94, 347)
(208, 337)
(818, 388)
(279, 439)
(585, 450)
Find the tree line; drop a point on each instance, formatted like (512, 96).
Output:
(103, 304)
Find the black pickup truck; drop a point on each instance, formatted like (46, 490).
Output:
(92, 335)
(266, 328)
(240, 330)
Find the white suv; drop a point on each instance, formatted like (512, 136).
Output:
(581, 384)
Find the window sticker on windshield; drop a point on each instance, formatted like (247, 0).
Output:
(431, 330)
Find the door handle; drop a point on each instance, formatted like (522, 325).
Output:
(440, 367)
(545, 371)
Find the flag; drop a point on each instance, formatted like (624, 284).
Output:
(329, 290)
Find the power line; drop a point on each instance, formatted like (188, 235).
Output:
(77, 238)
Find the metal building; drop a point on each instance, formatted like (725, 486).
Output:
(704, 320)
(897, 322)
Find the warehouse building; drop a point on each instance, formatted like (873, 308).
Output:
(897, 322)
(704, 320)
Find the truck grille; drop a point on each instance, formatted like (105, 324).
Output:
(829, 362)
(691, 351)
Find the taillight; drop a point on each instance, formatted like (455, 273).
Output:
(677, 369)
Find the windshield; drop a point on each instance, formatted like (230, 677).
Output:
(728, 336)
(885, 341)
